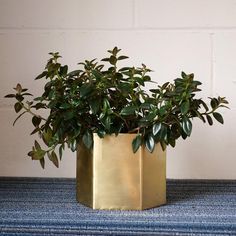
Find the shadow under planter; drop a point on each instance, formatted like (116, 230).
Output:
(111, 176)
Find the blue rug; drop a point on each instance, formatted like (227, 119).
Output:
(43, 206)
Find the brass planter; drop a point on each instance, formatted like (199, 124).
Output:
(111, 176)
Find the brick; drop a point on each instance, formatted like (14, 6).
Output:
(224, 66)
(185, 13)
(61, 14)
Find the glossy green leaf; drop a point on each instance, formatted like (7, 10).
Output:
(136, 143)
(209, 119)
(218, 117)
(187, 126)
(130, 110)
(10, 96)
(112, 60)
(214, 103)
(36, 121)
(156, 128)
(18, 106)
(53, 158)
(87, 139)
(122, 57)
(42, 162)
(150, 143)
(184, 107)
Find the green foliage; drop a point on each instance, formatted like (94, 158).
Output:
(110, 100)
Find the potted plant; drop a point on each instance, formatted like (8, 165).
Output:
(120, 130)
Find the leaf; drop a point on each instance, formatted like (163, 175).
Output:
(43, 74)
(101, 133)
(63, 70)
(42, 162)
(18, 106)
(105, 59)
(73, 145)
(10, 96)
(53, 158)
(122, 57)
(113, 60)
(184, 107)
(36, 121)
(214, 103)
(18, 88)
(65, 106)
(38, 154)
(85, 90)
(130, 110)
(37, 146)
(218, 117)
(187, 126)
(61, 148)
(209, 119)
(136, 143)
(150, 143)
(94, 106)
(183, 74)
(106, 122)
(87, 139)
(47, 136)
(156, 128)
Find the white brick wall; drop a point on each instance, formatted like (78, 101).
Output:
(169, 36)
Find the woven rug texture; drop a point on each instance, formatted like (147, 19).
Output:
(47, 206)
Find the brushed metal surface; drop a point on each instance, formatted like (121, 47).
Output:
(113, 177)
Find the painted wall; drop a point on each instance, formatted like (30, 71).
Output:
(169, 36)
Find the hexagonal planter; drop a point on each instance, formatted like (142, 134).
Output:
(111, 176)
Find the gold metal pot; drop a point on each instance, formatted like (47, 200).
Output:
(111, 176)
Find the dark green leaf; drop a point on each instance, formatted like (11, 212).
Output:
(184, 107)
(101, 133)
(187, 126)
(105, 59)
(42, 162)
(19, 97)
(47, 136)
(61, 148)
(38, 154)
(41, 75)
(136, 143)
(209, 119)
(73, 145)
(36, 121)
(156, 128)
(218, 117)
(112, 60)
(86, 89)
(214, 103)
(87, 139)
(122, 57)
(130, 110)
(53, 158)
(18, 106)
(37, 146)
(150, 143)
(10, 96)
(183, 75)
(63, 70)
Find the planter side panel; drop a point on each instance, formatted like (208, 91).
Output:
(116, 173)
(154, 178)
(84, 176)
